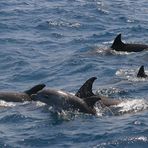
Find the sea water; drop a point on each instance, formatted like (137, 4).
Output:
(62, 44)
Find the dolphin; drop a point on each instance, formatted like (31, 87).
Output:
(118, 45)
(21, 96)
(141, 73)
(61, 100)
(86, 92)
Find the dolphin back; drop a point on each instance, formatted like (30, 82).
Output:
(14, 97)
(85, 90)
(118, 45)
(141, 72)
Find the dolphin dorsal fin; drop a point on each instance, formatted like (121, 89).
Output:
(86, 89)
(141, 72)
(90, 101)
(35, 89)
(117, 42)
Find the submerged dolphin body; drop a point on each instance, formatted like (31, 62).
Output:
(86, 92)
(141, 73)
(61, 100)
(20, 97)
(118, 45)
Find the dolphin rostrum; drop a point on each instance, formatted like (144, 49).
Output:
(61, 100)
(22, 96)
(118, 45)
(141, 73)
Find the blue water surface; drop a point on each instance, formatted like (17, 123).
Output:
(62, 43)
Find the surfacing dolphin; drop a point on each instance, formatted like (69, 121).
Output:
(21, 96)
(86, 92)
(118, 45)
(61, 100)
(141, 73)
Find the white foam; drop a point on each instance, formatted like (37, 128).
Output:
(135, 105)
(120, 52)
(98, 112)
(140, 138)
(39, 104)
(6, 104)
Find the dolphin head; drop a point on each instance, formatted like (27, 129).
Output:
(55, 98)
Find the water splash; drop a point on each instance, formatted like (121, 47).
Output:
(133, 106)
(120, 52)
(6, 104)
(126, 106)
(40, 104)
